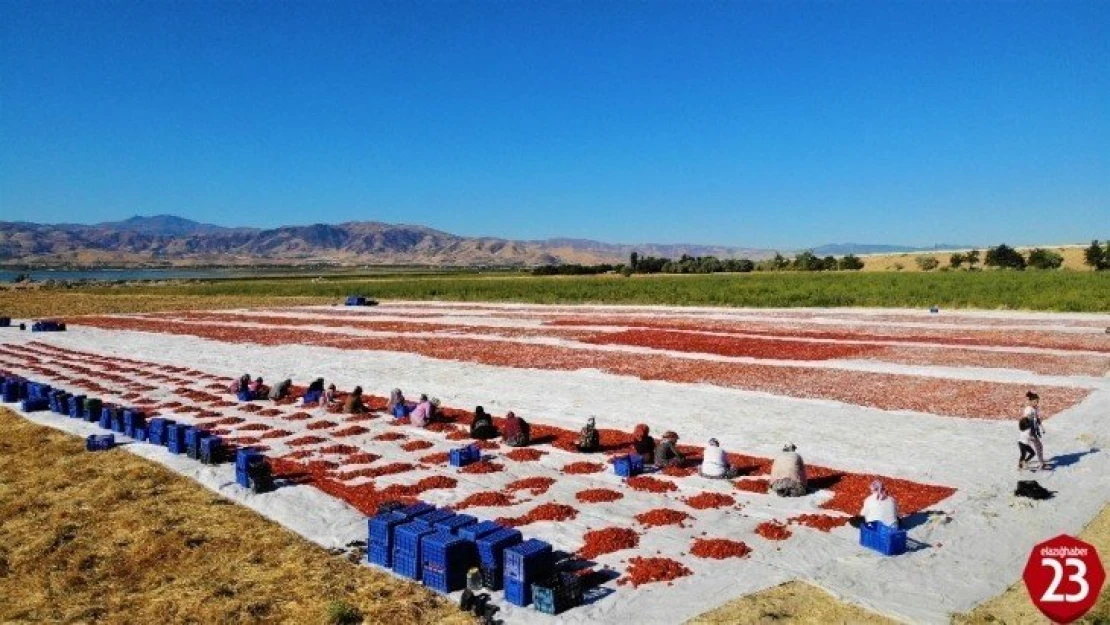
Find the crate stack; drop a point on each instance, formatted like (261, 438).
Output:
(175, 438)
(117, 424)
(491, 551)
(557, 593)
(48, 325)
(379, 543)
(38, 398)
(211, 450)
(92, 409)
(59, 401)
(406, 547)
(462, 456)
(14, 390)
(445, 559)
(887, 540)
(525, 563)
(252, 471)
(134, 424)
(106, 413)
(193, 438)
(76, 406)
(156, 430)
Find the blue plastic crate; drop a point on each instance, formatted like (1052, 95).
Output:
(100, 442)
(175, 447)
(38, 390)
(886, 540)
(60, 402)
(381, 555)
(529, 560)
(518, 592)
(355, 300)
(117, 422)
(242, 478)
(35, 405)
(446, 582)
(557, 593)
(92, 408)
(380, 528)
(492, 576)
(476, 531)
(443, 551)
(244, 395)
(76, 406)
(628, 466)
(462, 456)
(435, 516)
(406, 565)
(455, 522)
(311, 397)
(106, 418)
(211, 450)
(175, 434)
(416, 509)
(406, 538)
(246, 456)
(492, 545)
(138, 434)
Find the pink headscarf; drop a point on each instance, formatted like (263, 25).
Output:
(879, 490)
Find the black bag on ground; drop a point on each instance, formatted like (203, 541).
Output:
(1032, 490)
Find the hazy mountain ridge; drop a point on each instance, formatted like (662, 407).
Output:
(175, 240)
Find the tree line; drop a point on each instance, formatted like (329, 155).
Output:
(803, 261)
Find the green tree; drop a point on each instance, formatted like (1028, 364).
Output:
(779, 262)
(829, 263)
(633, 259)
(1045, 259)
(926, 263)
(1004, 256)
(851, 263)
(956, 260)
(807, 261)
(1095, 257)
(972, 259)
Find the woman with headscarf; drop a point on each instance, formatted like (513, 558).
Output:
(396, 405)
(354, 403)
(314, 391)
(242, 384)
(589, 440)
(788, 473)
(423, 413)
(714, 462)
(258, 389)
(331, 395)
(667, 453)
(482, 427)
(517, 431)
(643, 443)
(879, 507)
(281, 390)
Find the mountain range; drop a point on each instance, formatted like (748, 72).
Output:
(171, 240)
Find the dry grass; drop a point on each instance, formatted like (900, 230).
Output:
(114, 538)
(1073, 259)
(32, 303)
(792, 602)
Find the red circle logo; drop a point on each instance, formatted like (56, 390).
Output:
(1064, 576)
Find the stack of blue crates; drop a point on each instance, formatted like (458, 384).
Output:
(175, 438)
(105, 420)
(48, 325)
(454, 523)
(76, 406)
(462, 456)
(244, 458)
(133, 421)
(14, 390)
(59, 401)
(446, 558)
(627, 466)
(100, 442)
(527, 562)
(491, 550)
(193, 438)
(92, 409)
(37, 397)
(379, 543)
(406, 548)
(156, 430)
(412, 511)
(211, 450)
(117, 424)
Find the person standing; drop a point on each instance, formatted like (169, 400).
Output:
(1036, 429)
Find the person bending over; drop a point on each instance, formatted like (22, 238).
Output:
(517, 431)
(482, 427)
(788, 473)
(354, 403)
(667, 453)
(714, 462)
(643, 443)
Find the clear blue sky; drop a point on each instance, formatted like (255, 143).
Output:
(782, 124)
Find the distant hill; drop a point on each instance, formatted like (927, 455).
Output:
(840, 249)
(166, 239)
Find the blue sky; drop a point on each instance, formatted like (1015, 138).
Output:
(782, 124)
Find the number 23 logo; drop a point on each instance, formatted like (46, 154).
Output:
(1079, 577)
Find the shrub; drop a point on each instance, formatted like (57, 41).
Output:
(956, 260)
(1095, 257)
(972, 259)
(850, 263)
(343, 613)
(1045, 259)
(807, 261)
(926, 263)
(1004, 256)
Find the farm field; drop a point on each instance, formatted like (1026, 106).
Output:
(1067, 291)
(857, 391)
